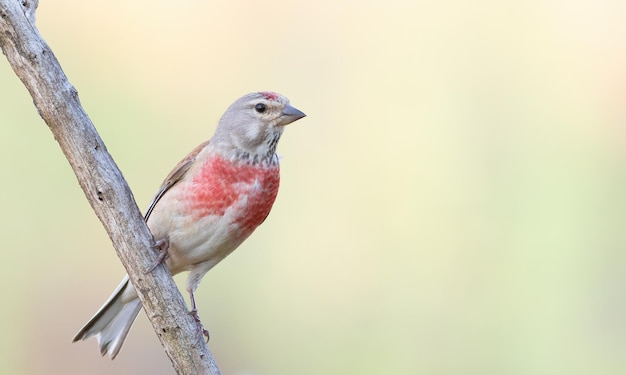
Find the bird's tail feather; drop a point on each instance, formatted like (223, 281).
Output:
(112, 322)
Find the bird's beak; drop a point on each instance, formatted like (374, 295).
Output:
(289, 115)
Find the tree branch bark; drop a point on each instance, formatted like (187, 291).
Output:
(103, 184)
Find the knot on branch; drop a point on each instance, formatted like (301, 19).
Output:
(30, 7)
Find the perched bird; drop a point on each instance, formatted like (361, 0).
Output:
(207, 206)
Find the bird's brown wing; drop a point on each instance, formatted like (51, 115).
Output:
(175, 175)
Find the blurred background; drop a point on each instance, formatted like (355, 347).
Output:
(454, 203)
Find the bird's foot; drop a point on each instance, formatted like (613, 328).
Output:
(202, 332)
(161, 246)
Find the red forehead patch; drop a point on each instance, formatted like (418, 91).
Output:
(269, 95)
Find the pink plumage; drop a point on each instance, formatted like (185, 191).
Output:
(270, 95)
(221, 183)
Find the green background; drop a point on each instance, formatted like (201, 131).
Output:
(454, 203)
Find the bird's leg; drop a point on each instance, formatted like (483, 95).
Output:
(161, 245)
(194, 313)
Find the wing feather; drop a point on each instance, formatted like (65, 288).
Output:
(175, 175)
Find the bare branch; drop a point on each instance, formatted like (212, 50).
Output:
(104, 186)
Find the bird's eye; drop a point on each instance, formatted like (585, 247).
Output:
(260, 107)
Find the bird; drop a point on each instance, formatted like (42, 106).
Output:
(207, 206)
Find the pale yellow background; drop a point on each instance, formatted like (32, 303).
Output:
(454, 203)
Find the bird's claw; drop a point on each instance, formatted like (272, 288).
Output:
(202, 332)
(161, 245)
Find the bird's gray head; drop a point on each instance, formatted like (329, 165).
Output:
(251, 127)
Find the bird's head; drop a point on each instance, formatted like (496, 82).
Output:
(253, 124)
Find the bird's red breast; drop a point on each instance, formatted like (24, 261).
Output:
(244, 192)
